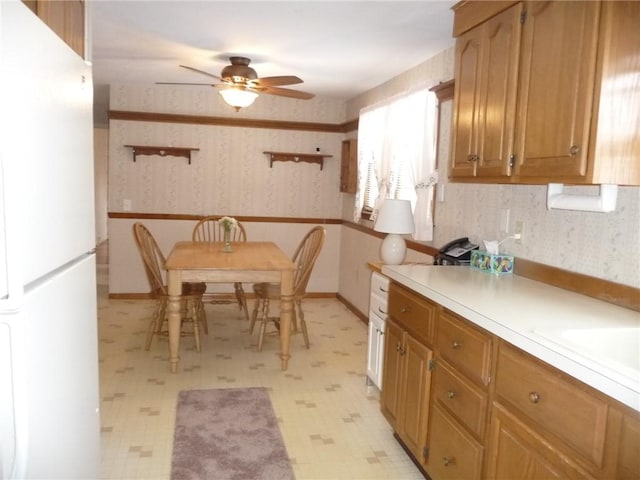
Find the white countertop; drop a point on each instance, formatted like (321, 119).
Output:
(591, 340)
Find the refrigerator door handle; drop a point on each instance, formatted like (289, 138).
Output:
(11, 285)
(11, 301)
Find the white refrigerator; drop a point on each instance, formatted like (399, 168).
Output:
(49, 390)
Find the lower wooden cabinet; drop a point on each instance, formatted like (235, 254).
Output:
(575, 417)
(405, 388)
(479, 407)
(628, 460)
(517, 452)
(545, 424)
(459, 400)
(453, 453)
(390, 396)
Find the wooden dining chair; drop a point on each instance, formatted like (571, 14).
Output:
(192, 308)
(304, 259)
(208, 229)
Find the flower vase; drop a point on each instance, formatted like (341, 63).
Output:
(227, 241)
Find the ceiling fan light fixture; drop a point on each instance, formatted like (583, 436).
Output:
(238, 97)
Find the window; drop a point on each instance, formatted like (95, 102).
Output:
(396, 157)
(371, 190)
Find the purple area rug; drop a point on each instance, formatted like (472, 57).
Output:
(228, 433)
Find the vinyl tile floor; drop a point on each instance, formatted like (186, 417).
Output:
(329, 417)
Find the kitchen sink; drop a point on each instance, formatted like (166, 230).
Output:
(616, 348)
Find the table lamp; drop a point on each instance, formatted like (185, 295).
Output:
(395, 218)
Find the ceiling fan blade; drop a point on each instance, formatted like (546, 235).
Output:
(201, 71)
(183, 83)
(279, 80)
(287, 92)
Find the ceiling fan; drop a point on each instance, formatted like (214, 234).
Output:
(240, 85)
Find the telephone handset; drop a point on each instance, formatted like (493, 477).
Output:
(456, 252)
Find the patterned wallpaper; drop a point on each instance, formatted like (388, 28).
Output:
(597, 244)
(230, 173)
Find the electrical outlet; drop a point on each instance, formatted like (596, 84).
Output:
(126, 205)
(519, 230)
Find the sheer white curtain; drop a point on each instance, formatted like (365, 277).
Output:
(398, 136)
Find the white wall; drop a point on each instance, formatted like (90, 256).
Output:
(229, 175)
(126, 274)
(357, 249)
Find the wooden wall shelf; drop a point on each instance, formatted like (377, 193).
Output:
(297, 157)
(162, 151)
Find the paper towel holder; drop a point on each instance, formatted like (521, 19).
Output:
(604, 202)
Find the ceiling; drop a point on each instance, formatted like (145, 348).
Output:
(339, 48)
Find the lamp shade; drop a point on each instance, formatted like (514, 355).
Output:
(395, 216)
(238, 97)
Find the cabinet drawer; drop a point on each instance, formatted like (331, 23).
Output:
(551, 400)
(460, 398)
(379, 285)
(379, 306)
(412, 312)
(465, 347)
(453, 454)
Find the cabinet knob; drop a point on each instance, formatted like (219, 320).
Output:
(446, 461)
(469, 158)
(574, 150)
(456, 344)
(451, 394)
(405, 309)
(534, 397)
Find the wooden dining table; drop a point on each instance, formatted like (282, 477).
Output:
(251, 262)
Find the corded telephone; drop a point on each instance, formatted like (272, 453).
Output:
(456, 252)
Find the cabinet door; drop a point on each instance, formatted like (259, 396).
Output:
(556, 86)
(466, 103)
(390, 397)
(453, 453)
(628, 459)
(485, 97)
(414, 396)
(516, 451)
(375, 351)
(500, 52)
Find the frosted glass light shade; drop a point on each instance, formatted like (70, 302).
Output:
(238, 97)
(395, 218)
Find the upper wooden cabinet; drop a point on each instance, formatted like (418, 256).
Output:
(556, 87)
(547, 92)
(65, 18)
(485, 101)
